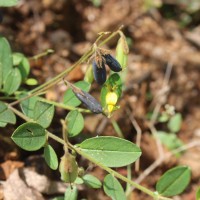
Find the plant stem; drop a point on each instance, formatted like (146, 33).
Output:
(116, 174)
(61, 105)
(109, 170)
(45, 53)
(60, 76)
(78, 150)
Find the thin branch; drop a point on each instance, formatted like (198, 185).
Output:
(138, 135)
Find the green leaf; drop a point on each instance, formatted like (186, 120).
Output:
(3, 124)
(29, 136)
(5, 59)
(69, 97)
(17, 58)
(79, 180)
(113, 84)
(174, 181)
(175, 122)
(28, 106)
(91, 181)
(71, 194)
(75, 123)
(50, 157)
(198, 194)
(22, 63)
(43, 113)
(8, 3)
(113, 188)
(170, 140)
(111, 151)
(6, 115)
(164, 117)
(31, 82)
(24, 68)
(12, 82)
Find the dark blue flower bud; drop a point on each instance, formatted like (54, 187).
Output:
(112, 63)
(99, 72)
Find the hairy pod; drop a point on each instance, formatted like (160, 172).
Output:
(68, 168)
(112, 63)
(99, 72)
(88, 100)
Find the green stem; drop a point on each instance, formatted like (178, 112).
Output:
(60, 76)
(114, 173)
(61, 105)
(47, 52)
(78, 150)
(117, 128)
(129, 176)
(20, 114)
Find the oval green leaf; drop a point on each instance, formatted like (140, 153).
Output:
(24, 68)
(22, 63)
(5, 58)
(6, 115)
(71, 193)
(170, 140)
(75, 123)
(43, 113)
(29, 136)
(174, 181)
(50, 157)
(28, 106)
(13, 81)
(175, 122)
(31, 81)
(17, 58)
(8, 3)
(92, 181)
(113, 188)
(79, 181)
(69, 97)
(198, 194)
(111, 151)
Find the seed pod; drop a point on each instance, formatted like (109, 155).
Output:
(68, 168)
(88, 100)
(99, 72)
(122, 52)
(112, 63)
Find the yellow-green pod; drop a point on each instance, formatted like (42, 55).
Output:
(68, 168)
(89, 77)
(122, 51)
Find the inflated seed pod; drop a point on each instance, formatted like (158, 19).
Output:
(99, 72)
(112, 63)
(68, 168)
(88, 100)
